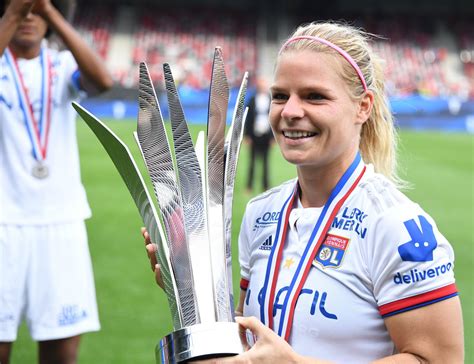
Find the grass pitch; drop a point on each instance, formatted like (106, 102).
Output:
(133, 310)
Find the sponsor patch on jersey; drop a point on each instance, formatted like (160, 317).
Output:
(423, 241)
(351, 219)
(267, 219)
(419, 275)
(267, 244)
(332, 250)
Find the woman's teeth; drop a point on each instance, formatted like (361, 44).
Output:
(298, 134)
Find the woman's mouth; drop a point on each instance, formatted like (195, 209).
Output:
(26, 29)
(297, 134)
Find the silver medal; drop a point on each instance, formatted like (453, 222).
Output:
(40, 171)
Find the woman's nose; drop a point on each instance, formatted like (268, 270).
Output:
(293, 109)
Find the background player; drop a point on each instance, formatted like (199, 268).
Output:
(258, 133)
(43, 203)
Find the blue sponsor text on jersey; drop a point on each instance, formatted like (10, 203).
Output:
(351, 220)
(318, 301)
(267, 219)
(415, 275)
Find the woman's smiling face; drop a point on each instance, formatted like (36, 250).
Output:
(315, 120)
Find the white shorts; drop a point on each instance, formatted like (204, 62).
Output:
(46, 277)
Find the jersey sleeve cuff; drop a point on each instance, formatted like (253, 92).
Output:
(421, 300)
(244, 284)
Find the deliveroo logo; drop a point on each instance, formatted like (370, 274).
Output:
(423, 242)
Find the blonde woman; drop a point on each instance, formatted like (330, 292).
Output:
(349, 270)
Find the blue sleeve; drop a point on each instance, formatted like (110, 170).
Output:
(75, 78)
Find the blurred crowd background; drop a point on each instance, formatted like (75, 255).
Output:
(428, 45)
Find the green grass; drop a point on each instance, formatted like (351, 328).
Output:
(133, 310)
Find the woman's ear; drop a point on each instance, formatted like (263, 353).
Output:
(365, 107)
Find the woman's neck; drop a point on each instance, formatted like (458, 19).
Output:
(315, 189)
(26, 52)
(316, 184)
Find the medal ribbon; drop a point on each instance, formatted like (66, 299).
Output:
(38, 132)
(339, 195)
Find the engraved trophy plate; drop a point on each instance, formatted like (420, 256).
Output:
(192, 224)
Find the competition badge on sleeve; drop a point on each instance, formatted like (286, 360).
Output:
(193, 185)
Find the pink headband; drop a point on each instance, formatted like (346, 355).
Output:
(339, 50)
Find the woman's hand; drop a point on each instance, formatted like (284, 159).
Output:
(42, 8)
(19, 8)
(269, 347)
(151, 252)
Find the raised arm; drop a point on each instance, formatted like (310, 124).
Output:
(15, 12)
(94, 75)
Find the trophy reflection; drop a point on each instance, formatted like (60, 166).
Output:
(193, 185)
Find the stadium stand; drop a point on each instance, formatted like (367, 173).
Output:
(424, 56)
(429, 57)
(464, 29)
(186, 40)
(414, 61)
(95, 24)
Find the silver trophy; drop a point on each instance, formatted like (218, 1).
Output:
(194, 187)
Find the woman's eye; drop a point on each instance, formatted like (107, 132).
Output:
(315, 96)
(279, 97)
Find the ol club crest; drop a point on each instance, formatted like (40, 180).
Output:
(332, 250)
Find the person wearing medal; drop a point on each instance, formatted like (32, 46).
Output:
(45, 268)
(346, 268)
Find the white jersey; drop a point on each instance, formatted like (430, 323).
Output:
(382, 255)
(25, 199)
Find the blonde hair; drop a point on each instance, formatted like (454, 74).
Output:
(378, 139)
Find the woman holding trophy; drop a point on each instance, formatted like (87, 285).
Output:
(348, 269)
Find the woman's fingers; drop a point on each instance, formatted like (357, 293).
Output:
(251, 323)
(158, 278)
(145, 235)
(150, 248)
(151, 252)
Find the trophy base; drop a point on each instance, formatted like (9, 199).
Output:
(202, 341)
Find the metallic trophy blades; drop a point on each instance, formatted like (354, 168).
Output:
(199, 148)
(233, 142)
(194, 186)
(194, 205)
(125, 164)
(154, 144)
(218, 104)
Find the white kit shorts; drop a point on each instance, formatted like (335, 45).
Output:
(46, 277)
